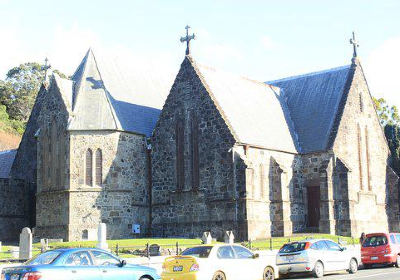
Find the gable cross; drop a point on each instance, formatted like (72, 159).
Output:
(355, 44)
(187, 39)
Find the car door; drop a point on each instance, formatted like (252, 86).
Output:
(245, 259)
(79, 265)
(228, 263)
(398, 242)
(110, 266)
(337, 256)
(323, 254)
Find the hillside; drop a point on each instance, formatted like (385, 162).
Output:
(9, 141)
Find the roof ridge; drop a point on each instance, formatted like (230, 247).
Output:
(310, 74)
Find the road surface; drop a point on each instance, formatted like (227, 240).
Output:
(378, 273)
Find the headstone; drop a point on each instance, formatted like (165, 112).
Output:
(14, 251)
(154, 250)
(44, 244)
(25, 244)
(102, 236)
(0, 246)
(207, 239)
(229, 237)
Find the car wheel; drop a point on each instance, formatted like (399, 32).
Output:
(318, 271)
(269, 273)
(218, 276)
(146, 278)
(353, 266)
(397, 264)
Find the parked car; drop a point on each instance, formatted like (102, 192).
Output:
(315, 256)
(381, 248)
(218, 262)
(78, 264)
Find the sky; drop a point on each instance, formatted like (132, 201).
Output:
(262, 40)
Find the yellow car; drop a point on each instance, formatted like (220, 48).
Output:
(219, 262)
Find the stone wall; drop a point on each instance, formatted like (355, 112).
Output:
(215, 205)
(15, 208)
(122, 198)
(360, 144)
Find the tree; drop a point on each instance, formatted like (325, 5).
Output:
(18, 91)
(387, 114)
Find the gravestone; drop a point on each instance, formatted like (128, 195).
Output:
(207, 239)
(25, 244)
(44, 244)
(154, 250)
(229, 237)
(102, 236)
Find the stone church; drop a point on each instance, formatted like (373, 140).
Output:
(161, 155)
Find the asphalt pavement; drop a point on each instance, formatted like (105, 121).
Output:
(379, 273)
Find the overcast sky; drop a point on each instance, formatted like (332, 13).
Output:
(263, 40)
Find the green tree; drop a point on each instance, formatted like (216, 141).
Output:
(387, 114)
(18, 91)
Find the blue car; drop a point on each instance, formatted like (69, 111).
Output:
(79, 264)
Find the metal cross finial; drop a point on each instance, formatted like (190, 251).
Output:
(355, 44)
(187, 39)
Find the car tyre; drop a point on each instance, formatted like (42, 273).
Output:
(269, 273)
(218, 276)
(353, 266)
(397, 263)
(318, 270)
(146, 278)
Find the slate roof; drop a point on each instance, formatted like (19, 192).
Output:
(255, 112)
(6, 161)
(114, 92)
(313, 101)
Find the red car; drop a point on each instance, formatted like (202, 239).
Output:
(381, 248)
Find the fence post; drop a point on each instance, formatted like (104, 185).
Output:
(289, 239)
(117, 249)
(352, 239)
(338, 240)
(250, 244)
(177, 248)
(270, 243)
(147, 250)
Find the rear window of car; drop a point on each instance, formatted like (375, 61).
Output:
(293, 247)
(372, 241)
(45, 258)
(198, 252)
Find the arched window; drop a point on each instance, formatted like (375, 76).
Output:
(262, 180)
(99, 168)
(180, 164)
(45, 153)
(359, 156)
(54, 153)
(194, 137)
(89, 172)
(361, 102)
(367, 157)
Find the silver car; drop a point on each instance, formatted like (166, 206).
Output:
(316, 256)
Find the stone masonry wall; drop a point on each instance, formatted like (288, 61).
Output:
(14, 208)
(361, 145)
(215, 205)
(122, 198)
(52, 166)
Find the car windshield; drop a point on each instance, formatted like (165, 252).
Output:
(372, 241)
(45, 258)
(198, 252)
(293, 247)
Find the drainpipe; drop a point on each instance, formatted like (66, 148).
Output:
(149, 185)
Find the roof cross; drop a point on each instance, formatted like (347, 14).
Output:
(187, 39)
(355, 44)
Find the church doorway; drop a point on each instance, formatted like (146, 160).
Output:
(313, 198)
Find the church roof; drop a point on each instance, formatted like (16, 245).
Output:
(313, 101)
(122, 93)
(254, 110)
(6, 161)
